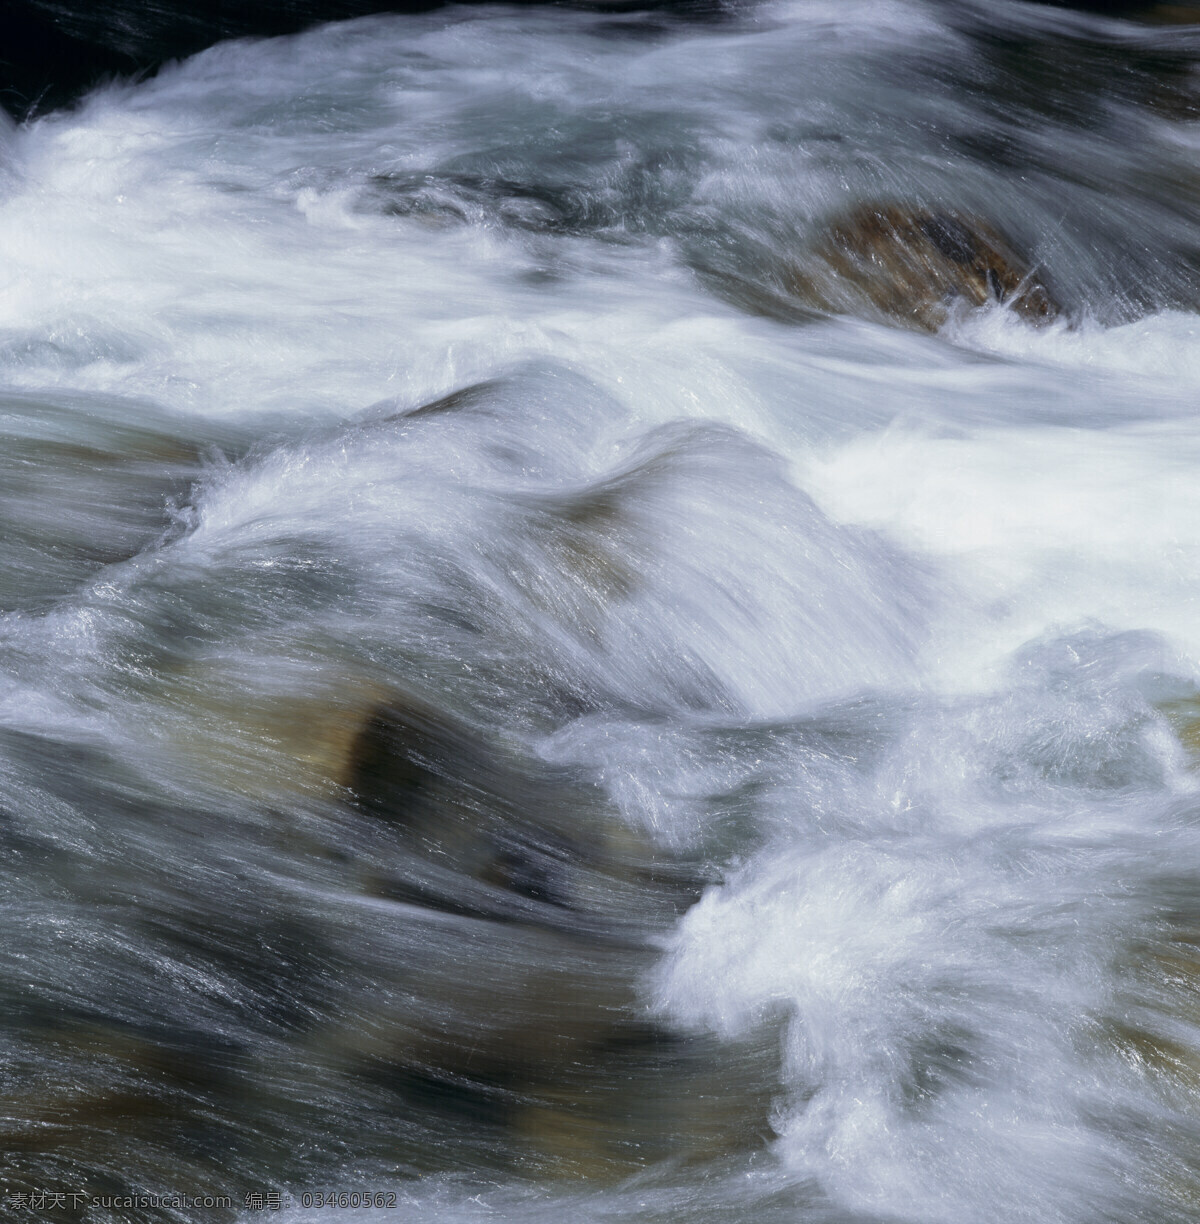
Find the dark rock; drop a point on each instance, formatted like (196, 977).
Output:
(486, 833)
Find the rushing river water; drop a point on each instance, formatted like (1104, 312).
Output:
(507, 707)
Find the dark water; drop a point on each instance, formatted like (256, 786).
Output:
(530, 689)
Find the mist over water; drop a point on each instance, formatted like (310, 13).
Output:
(796, 815)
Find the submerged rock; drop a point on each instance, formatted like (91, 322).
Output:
(456, 979)
(913, 266)
(531, 912)
(483, 831)
(80, 490)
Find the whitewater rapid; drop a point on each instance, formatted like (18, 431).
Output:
(449, 355)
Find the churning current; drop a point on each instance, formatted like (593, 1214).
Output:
(599, 620)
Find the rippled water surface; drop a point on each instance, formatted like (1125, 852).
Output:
(512, 702)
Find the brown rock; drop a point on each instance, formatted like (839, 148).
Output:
(913, 266)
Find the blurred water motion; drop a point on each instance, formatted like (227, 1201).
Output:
(597, 621)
